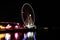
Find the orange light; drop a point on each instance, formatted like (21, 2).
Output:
(2, 35)
(2, 27)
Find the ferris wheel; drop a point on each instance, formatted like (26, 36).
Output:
(28, 16)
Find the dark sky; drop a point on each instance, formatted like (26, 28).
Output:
(46, 12)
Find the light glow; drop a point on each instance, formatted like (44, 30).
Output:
(30, 15)
(8, 26)
(2, 27)
(16, 26)
(28, 35)
(30, 25)
(16, 35)
(7, 36)
(2, 35)
(45, 27)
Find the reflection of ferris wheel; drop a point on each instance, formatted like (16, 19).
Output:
(29, 36)
(28, 15)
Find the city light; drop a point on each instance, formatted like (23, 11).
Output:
(2, 27)
(12, 29)
(8, 26)
(16, 27)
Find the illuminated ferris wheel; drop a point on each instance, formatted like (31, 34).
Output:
(28, 16)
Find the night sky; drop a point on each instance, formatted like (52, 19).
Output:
(46, 13)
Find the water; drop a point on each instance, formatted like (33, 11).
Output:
(18, 36)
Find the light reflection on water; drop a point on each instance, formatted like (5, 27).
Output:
(17, 36)
(29, 36)
(7, 36)
(2, 35)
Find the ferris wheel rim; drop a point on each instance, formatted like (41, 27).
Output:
(23, 12)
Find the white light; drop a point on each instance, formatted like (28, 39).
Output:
(8, 26)
(30, 25)
(17, 23)
(45, 27)
(7, 36)
(30, 34)
(30, 15)
(16, 26)
(16, 35)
